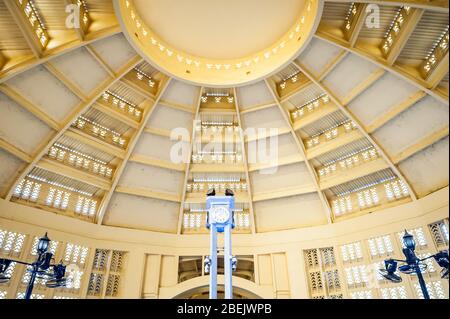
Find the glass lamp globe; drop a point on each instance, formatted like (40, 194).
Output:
(43, 244)
(409, 241)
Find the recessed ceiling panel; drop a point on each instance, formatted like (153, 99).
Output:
(289, 213)
(9, 167)
(19, 127)
(142, 213)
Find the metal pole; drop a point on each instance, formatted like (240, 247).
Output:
(31, 282)
(227, 262)
(423, 286)
(213, 267)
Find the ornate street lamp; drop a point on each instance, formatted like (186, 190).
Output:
(413, 265)
(39, 268)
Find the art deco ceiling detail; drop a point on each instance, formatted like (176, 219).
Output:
(360, 117)
(248, 46)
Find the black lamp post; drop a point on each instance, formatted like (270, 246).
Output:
(39, 268)
(413, 265)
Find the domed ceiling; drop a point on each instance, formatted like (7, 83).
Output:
(219, 43)
(350, 120)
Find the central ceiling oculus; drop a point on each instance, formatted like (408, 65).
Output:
(219, 42)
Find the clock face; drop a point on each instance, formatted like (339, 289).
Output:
(220, 214)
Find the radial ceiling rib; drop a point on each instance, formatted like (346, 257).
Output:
(361, 87)
(423, 143)
(394, 111)
(188, 164)
(323, 74)
(30, 106)
(256, 108)
(244, 158)
(177, 106)
(332, 64)
(36, 158)
(149, 106)
(66, 81)
(10, 71)
(146, 160)
(301, 148)
(350, 115)
(419, 83)
(99, 59)
(143, 192)
(438, 73)
(78, 111)
(14, 150)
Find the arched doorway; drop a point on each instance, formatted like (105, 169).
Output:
(198, 288)
(203, 293)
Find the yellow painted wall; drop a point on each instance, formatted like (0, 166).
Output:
(152, 260)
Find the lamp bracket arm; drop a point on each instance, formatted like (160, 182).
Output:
(429, 257)
(399, 260)
(20, 262)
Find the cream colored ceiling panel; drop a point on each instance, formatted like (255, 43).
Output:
(155, 146)
(82, 68)
(19, 127)
(283, 177)
(428, 170)
(288, 213)
(282, 146)
(151, 178)
(168, 118)
(387, 92)
(266, 118)
(45, 91)
(181, 93)
(9, 167)
(348, 74)
(142, 213)
(255, 94)
(318, 55)
(115, 51)
(422, 119)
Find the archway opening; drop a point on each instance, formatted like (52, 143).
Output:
(203, 293)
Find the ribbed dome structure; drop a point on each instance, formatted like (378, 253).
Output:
(347, 121)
